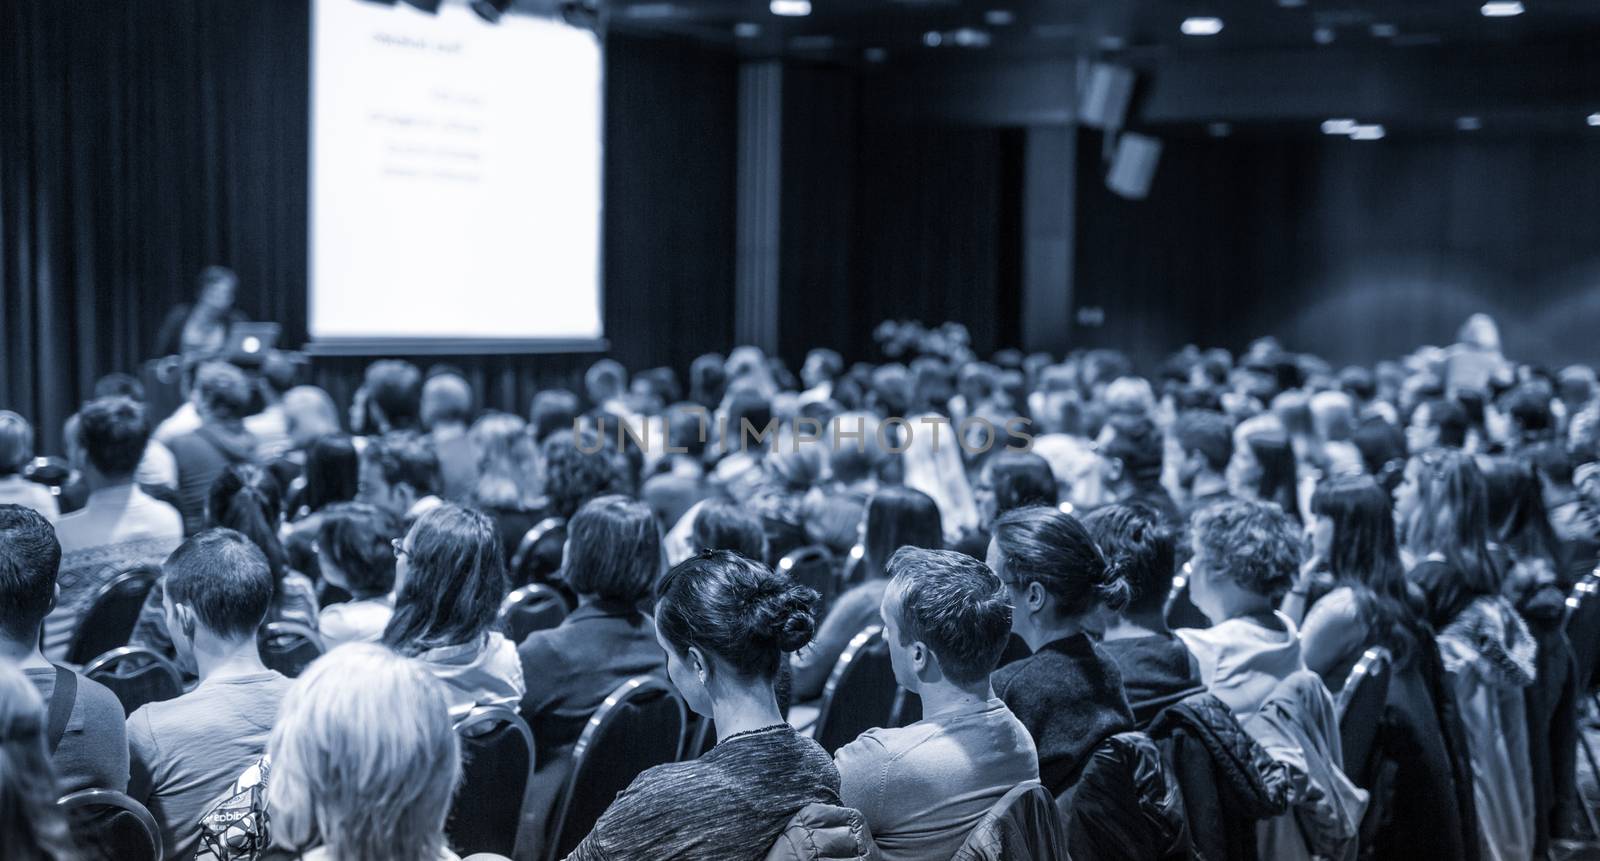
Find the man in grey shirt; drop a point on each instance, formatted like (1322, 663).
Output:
(187, 751)
(924, 787)
(88, 746)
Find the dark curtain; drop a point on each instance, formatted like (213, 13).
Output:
(139, 142)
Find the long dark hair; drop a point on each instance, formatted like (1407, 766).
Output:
(248, 500)
(1278, 483)
(1452, 520)
(1518, 520)
(454, 583)
(1365, 555)
(1020, 479)
(899, 517)
(332, 470)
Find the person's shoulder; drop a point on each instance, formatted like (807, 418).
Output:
(97, 700)
(871, 747)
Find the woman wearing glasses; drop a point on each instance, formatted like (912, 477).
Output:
(449, 580)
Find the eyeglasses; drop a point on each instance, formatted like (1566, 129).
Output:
(399, 547)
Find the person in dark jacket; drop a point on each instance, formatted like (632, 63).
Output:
(1157, 668)
(1229, 783)
(221, 394)
(1068, 693)
(201, 329)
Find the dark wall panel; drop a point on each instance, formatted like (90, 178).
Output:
(1355, 251)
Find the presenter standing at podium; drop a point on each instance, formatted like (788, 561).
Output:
(200, 330)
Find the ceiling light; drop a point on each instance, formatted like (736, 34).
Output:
(932, 38)
(746, 30)
(1323, 35)
(999, 17)
(1290, 4)
(1594, 119)
(491, 10)
(1201, 26)
(1384, 31)
(1372, 132)
(968, 37)
(1338, 127)
(875, 55)
(1468, 124)
(652, 11)
(1502, 8)
(1219, 130)
(790, 8)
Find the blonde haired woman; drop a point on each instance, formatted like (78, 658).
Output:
(364, 760)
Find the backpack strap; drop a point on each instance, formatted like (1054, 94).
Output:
(61, 702)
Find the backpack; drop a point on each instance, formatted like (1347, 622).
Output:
(235, 828)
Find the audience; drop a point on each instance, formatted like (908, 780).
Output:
(355, 553)
(86, 737)
(1157, 668)
(185, 752)
(120, 527)
(896, 517)
(32, 827)
(1457, 560)
(1068, 693)
(725, 623)
(349, 780)
(449, 579)
(924, 787)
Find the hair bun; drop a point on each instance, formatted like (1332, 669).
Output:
(787, 617)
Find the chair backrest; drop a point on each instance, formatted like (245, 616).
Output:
(525, 563)
(1583, 626)
(109, 824)
(907, 708)
(1181, 611)
(860, 692)
(497, 759)
(108, 619)
(699, 740)
(136, 675)
(813, 566)
(1023, 824)
(640, 725)
(289, 647)
(1360, 707)
(534, 607)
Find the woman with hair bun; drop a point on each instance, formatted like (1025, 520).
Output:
(725, 623)
(1068, 693)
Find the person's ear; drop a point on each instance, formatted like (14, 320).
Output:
(55, 598)
(698, 664)
(186, 619)
(920, 655)
(1035, 596)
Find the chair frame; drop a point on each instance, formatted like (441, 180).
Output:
(524, 595)
(599, 722)
(149, 573)
(1371, 661)
(117, 654)
(860, 641)
(495, 715)
(121, 801)
(294, 629)
(531, 539)
(1584, 591)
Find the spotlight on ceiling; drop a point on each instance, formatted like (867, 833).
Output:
(429, 6)
(999, 17)
(1323, 35)
(746, 30)
(1383, 30)
(1593, 119)
(790, 8)
(1468, 124)
(1201, 26)
(1372, 132)
(1338, 127)
(491, 10)
(1502, 8)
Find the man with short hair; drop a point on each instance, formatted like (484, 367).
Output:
(446, 407)
(923, 788)
(1203, 445)
(84, 728)
(222, 395)
(186, 752)
(388, 400)
(399, 473)
(120, 527)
